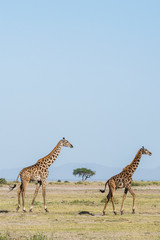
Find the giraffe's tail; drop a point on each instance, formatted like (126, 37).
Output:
(12, 187)
(102, 191)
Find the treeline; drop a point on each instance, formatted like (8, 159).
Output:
(3, 181)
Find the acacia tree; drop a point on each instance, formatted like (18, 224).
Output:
(84, 173)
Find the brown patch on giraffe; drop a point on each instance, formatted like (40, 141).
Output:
(124, 180)
(132, 161)
(38, 172)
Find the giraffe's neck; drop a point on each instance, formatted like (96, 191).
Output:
(51, 157)
(134, 164)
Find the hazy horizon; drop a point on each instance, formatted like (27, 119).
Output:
(84, 70)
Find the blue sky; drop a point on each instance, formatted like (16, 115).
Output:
(84, 70)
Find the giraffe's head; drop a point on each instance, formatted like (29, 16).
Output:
(65, 143)
(145, 151)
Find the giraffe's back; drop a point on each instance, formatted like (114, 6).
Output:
(36, 172)
(30, 173)
(122, 179)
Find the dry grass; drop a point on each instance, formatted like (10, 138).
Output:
(66, 200)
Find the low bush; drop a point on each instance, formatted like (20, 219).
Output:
(66, 181)
(3, 181)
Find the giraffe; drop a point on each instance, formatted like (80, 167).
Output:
(39, 173)
(124, 180)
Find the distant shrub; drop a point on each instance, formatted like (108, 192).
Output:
(79, 182)
(38, 236)
(66, 181)
(84, 183)
(156, 183)
(51, 183)
(59, 181)
(136, 184)
(3, 181)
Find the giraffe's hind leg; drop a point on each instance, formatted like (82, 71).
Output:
(106, 201)
(124, 197)
(24, 186)
(35, 194)
(111, 185)
(134, 196)
(19, 190)
(112, 199)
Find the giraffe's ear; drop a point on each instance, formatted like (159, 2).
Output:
(63, 137)
(142, 147)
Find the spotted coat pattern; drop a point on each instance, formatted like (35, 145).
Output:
(39, 173)
(124, 180)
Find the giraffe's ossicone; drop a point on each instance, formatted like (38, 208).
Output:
(124, 180)
(38, 172)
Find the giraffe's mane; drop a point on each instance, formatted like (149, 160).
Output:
(49, 153)
(132, 161)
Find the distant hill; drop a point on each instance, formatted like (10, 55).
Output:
(103, 173)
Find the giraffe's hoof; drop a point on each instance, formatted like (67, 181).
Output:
(24, 210)
(133, 211)
(30, 210)
(122, 212)
(46, 210)
(104, 213)
(115, 212)
(17, 208)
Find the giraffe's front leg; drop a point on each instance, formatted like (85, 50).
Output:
(124, 197)
(35, 194)
(134, 196)
(44, 194)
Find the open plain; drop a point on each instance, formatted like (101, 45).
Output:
(66, 200)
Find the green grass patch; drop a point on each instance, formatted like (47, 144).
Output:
(63, 221)
(79, 202)
(145, 183)
(116, 201)
(36, 203)
(3, 237)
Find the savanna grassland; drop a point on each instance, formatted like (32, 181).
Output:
(66, 200)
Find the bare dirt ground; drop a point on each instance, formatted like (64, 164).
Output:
(66, 200)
